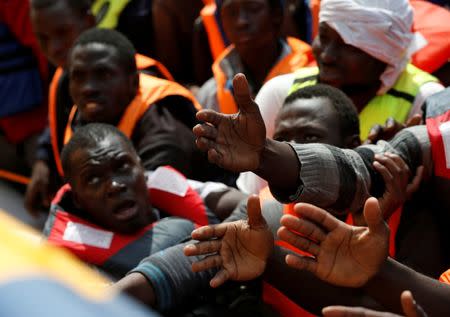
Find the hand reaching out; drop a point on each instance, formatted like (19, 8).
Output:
(396, 176)
(343, 255)
(390, 128)
(234, 142)
(239, 249)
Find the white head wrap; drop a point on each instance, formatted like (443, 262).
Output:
(381, 28)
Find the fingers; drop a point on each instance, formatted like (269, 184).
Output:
(374, 217)
(205, 130)
(342, 311)
(410, 307)
(298, 241)
(303, 227)
(301, 263)
(415, 183)
(242, 95)
(255, 218)
(221, 277)
(209, 232)
(317, 215)
(374, 133)
(414, 120)
(210, 116)
(205, 247)
(207, 263)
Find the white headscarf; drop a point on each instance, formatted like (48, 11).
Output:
(381, 28)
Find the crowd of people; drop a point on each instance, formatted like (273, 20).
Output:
(225, 157)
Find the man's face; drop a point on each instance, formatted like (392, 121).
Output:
(309, 121)
(344, 66)
(249, 24)
(99, 86)
(57, 27)
(108, 184)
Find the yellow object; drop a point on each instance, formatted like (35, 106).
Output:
(25, 255)
(396, 103)
(107, 12)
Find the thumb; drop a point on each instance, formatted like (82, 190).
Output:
(374, 217)
(410, 307)
(242, 95)
(255, 218)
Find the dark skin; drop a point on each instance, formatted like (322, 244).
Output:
(57, 35)
(253, 27)
(346, 67)
(56, 27)
(99, 85)
(311, 121)
(109, 185)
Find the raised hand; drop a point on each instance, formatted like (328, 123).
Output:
(410, 309)
(239, 249)
(396, 176)
(234, 142)
(343, 255)
(390, 128)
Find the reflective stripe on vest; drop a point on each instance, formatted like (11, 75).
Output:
(300, 56)
(151, 90)
(396, 103)
(96, 245)
(445, 277)
(107, 12)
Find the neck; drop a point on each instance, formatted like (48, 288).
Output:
(361, 95)
(259, 63)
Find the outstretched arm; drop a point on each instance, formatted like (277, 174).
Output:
(357, 256)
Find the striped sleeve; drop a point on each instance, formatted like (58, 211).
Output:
(341, 180)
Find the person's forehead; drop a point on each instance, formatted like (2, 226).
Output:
(103, 150)
(301, 107)
(60, 12)
(95, 51)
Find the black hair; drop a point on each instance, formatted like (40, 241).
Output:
(125, 50)
(89, 136)
(82, 6)
(346, 110)
(274, 4)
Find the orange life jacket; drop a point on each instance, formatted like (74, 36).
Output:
(142, 63)
(300, 56)
(113, 251)
(216, 41)
(445, 277)
(151, 90)
(433, 22)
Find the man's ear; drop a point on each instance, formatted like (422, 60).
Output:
(352, 141)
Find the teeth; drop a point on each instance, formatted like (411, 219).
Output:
(91, 105)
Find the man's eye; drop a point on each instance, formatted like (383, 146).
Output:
(92, 180)
(311, 138)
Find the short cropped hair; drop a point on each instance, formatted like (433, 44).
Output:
(346, 110)
(125, 50)
(81, 6)
(89, 136)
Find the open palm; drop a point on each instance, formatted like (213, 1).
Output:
(343, 255)
(239, 249)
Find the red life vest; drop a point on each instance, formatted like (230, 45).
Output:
(117, 253)
(433, 22)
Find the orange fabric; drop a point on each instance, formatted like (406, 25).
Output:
(314, 6)
(143, 62)
(151, 89)
(300, 56)
(281, 303)
(433, 22)
(445, 277)
(215, 39)
(52, 121)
